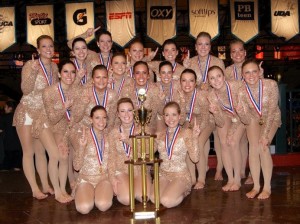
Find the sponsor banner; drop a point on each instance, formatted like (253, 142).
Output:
(285, 18)
(7, 27)
(161, 20)
(79, 17)
(244, 19)
(203, 16)
(120, 20)
(39, 22)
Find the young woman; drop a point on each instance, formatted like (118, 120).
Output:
(174, 145)
(91, 160)
(36, 76)
(258, 109)
(58, 101)
(196, 108)
(120, 151)
(223, 98)
(169, 52)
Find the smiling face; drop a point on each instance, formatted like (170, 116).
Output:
(166, 73)
(171, 116)
(251, 73)
(237, 52)
(118, 65)
(188, 82)
(80, 50)
(125, 113)
(99, 119)
(203, 46)
(216, 78)
(170, 52)
(141, 74)
(46, 48)
(100, 79)
(105, 43)
(136, 52)
(67, 74)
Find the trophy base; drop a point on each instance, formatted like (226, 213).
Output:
(145, 215)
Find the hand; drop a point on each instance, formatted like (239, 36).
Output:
(161, 94)
(83, 140)
(213, 108)
(261, 70)
(187, 61)
(35, 66)
(152, 54)
(122, 137)
(196, 129)
(181, 95)
(82, 71)
(90, 31)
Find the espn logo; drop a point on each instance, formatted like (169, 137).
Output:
(119, 15)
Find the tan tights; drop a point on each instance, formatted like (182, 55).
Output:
(86, 196)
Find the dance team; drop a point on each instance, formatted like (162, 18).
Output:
(82, 113)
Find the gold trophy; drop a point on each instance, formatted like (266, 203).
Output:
(143, 155)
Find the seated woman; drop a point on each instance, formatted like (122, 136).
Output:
(93, 186)
(174, 145)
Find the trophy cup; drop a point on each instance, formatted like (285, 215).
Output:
(143, 155)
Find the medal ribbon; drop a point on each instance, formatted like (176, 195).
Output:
(48, 77)
(229, 94)
(121, 86)
(84, 78)
(99, 147)
(63, 99)
(131, 72)
(174, 67)
(257, 106)
(126, 147)
(192, 105)
(137, 95)
(170, 93)
(102, 61)
(204, 78)
(104, 101)
(170, 146)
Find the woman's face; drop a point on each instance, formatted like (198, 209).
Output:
(105, 43)
(188, 82)
(216, 78)
(251, 73)
(170, 52)
(80, 50)
(118, 65)
(67, 74)
(203, 46)
(100, 79)
(237, 53)
(136, 52)
(171, 116)
(46, 48)
(165, 74)
(141, 74)
(99, 120)
(125, 113)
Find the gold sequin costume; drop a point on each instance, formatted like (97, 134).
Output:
(176, 167)
(33, 83)
(271, 114)
(118, 83)
(154, 65)
(86, 160)
(230, 73)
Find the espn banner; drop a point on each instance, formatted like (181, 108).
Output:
(39, 22)
(161, 20)
(79, 17)
(7, 27)
(285, 18)
(244, 19)
(203, 16)
(120, 20)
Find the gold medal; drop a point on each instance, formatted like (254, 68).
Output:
(234, 120)
(261, 121)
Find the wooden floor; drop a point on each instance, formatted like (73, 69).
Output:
(210, 205)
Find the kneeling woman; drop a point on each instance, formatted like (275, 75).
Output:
(173, 145)
(92, 186)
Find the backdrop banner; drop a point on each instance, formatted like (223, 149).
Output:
(203, 16)
(79, 17)
(39, 22)
(161, 20)
(7, 27)
(120, 20)
(244, 19)
(285, 18)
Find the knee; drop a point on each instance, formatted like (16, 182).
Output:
(123, 199)
(167, 202)
(84, 208)
(103, 205)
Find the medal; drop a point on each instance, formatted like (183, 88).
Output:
(234, 120)
(126, 147)
(48, 77)
(204, 74)
(192, 105)
(84, 78)
(63, 99)
(230, 107)
(261, 121)
(102, 61)
(99, 147)
(105, 97)
(257, 106)
(170, 146)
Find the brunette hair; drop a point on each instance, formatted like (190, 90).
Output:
(78, 39)
(95, 108)
(163, 63)
(167, 42)
(63, 63)
(249, 61)
(140, 63)
(214, 67)
(99, 67)
(124, 100)
(204, 34)
(188, 70)
(103, 32)
(172, 104)
(38, 40)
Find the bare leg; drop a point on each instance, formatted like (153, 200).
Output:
(72, 174)
(24, 133)
(84, 198)
(139, 189)
(163, 183)
(103, 195)
(217, 146)
(191, 167)
(122, 189)
(244, 152)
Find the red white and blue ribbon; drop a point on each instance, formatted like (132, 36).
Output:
(192, 105)
(204, 74)
(48, 77)
(170, 146)
(126, 147)
(84, 78)
(137, 94)
(257, 106)
(121, 86)
(174, 67)
(105, 96)
(235, 72)
(229, 94)
(131, 72)
(99, 147)
(63, 99)
(168, 99)
(102, 61)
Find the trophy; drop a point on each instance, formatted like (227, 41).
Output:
(143, 155)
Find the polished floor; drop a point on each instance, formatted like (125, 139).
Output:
(210, 205)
